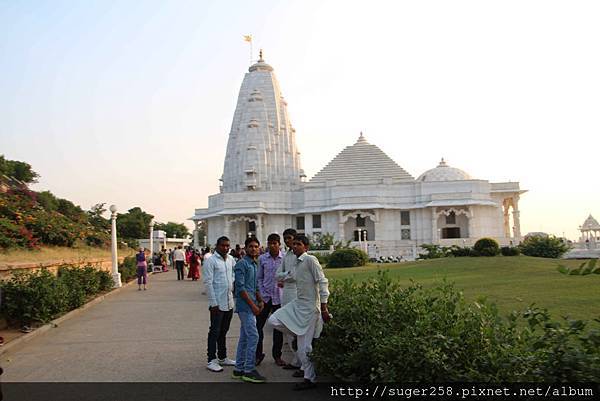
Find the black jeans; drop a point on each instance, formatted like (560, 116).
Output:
(179, 267)
(277, 335)
(219, 326)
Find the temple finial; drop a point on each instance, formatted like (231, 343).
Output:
(260, 56)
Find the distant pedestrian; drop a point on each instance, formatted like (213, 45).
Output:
(248, 305)
(218, 278)
(194, 272)
(206, 253)
(179, 257)
(142, 269)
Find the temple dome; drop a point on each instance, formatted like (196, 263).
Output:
(443, 172)
(362, 161)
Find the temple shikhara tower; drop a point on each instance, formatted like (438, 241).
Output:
(361, 195)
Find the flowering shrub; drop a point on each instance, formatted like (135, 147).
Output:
(25, 223)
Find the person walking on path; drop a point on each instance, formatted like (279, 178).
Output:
(305, 315)
(142, 269)
(286, 280)
(194, 272)
(268, 263)
(218, 278)
(248, 305)
(179, 258)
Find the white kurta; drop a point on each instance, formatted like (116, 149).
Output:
(286, 272)
(312, 290)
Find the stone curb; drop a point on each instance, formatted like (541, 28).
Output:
(21, 341)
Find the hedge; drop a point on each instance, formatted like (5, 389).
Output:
(384, 332)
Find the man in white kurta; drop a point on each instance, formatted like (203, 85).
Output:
(304, 315)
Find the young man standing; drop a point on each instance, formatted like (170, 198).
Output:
(268, 263)
(304, 316)
(248, 305)
(179, 258)
(286, 280)
(217, 274)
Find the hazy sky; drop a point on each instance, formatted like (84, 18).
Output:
(131, 102)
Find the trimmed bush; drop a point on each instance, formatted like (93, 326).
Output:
(383, 332)
(543, 246)
(486, 247)
(323, 258)
(347, 257)
(40, 296)
(434, 251)
(458, 251)
(510, 251)
(128, 269)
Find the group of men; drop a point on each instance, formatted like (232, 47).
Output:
(285, 291)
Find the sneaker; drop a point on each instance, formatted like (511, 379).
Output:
(214, 366)
(237, 374)
(226, 362)
(305, 385)
(253, 377)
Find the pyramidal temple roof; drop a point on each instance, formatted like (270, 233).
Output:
(361, 161)
(590, 224)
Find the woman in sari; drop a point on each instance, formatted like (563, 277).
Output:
(194, 264)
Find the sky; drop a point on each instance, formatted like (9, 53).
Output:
(130, 103)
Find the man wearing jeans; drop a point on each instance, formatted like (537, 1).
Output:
(268, 263)
(179, 257)
(248, 305)
(217, 274)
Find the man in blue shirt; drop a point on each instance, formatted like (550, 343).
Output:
(248, 305)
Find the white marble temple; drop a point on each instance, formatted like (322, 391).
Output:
(362, 190)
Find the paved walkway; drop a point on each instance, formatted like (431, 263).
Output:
(154, 335)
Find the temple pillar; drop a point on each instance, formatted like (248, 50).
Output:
(341, 226)
(227, 228)
(434, 229)
(471, 217)
(259, 229)
(505, 207)
(516, 219)
(196, 234)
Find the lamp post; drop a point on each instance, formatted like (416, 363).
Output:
(152, 238)
(115, 268)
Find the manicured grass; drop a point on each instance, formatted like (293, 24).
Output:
(512, 283)
(52, 254)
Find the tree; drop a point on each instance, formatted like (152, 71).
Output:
(134, 224)
(543, 246)
(19, 170)
(173, 229)
(95, 217)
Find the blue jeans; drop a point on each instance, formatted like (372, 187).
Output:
(245, 359)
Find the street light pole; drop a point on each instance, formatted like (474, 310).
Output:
(115, 267)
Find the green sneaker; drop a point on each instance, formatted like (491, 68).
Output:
(237, 374)
(253, 377)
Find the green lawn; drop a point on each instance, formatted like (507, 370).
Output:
(510, 282)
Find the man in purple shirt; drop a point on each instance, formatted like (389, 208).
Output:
(271, 294)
